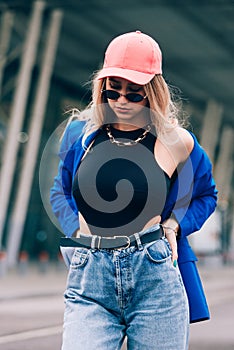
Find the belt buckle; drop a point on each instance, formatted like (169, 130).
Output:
(127, 244)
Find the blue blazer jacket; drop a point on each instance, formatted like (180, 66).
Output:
(192, 199)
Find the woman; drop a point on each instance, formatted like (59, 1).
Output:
(132, 184)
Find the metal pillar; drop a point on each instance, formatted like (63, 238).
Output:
(26, 177)
(211, 125)
(5, 35)
(224, 164)
(231, 248)
(18, 111)
(223, 176)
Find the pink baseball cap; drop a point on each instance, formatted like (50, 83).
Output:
(133, 56)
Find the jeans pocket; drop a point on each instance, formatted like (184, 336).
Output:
(158, 251)
(79, 258)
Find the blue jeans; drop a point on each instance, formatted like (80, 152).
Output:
(134, 292)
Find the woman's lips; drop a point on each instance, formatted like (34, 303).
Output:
(122, 110)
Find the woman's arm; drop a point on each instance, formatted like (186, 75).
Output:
(196, 199)
(202, 204)
(62, 203)
(61, 199)
(193, 194)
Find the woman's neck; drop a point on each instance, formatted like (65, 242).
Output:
(126, 127)
(130, 126)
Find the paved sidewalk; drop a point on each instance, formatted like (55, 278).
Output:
(218, 282)
(33, 281)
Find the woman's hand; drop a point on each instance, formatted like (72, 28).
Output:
(171, 227)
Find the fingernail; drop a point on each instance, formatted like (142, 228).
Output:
(175, 263)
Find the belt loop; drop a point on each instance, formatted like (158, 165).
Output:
(99, 242)
(93, 241)
(138, 240)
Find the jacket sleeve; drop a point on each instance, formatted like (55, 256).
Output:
(194, 208)
(61, 198)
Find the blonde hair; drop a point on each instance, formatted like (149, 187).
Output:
(165, 113)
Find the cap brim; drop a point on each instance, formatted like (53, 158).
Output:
(131, 75)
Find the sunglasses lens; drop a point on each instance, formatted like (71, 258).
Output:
(134, 97)
(112, 95)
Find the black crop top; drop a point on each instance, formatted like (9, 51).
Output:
(118, 189)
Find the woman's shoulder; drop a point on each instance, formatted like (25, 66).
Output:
(180, 142)
(73, 130)
(79, 124)
(185, 139)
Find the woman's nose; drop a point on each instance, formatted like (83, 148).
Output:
(122, 98)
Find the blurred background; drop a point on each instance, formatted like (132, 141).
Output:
(48, 53)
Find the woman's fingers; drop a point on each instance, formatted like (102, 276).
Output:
(171, 237)
(171, 227)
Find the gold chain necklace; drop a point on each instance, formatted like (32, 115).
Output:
(127, 143)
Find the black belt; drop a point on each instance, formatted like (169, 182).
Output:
(115, 242)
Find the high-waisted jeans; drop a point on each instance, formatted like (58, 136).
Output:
(134, 292)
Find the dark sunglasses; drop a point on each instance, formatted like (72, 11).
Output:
(115, 95)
